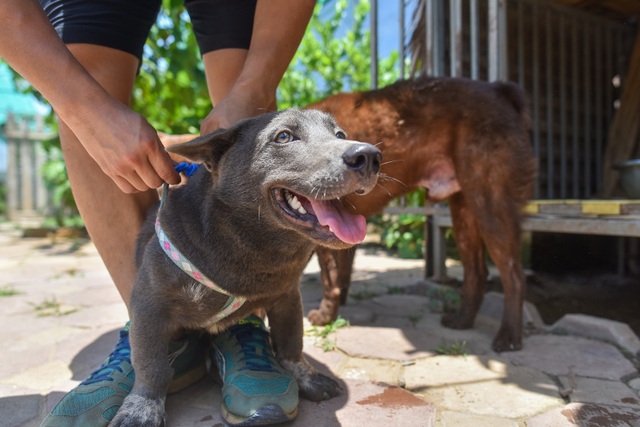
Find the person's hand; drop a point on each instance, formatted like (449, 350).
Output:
(125, 146)
(240, 103)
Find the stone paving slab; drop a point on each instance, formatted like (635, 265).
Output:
(396, 363)
(586, 415)
(603, 329)
(594, 390)
(560, 355)
(482, 385)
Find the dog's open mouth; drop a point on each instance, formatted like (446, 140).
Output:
(325, 216)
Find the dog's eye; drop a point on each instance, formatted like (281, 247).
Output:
(341, 135)
(284, 137)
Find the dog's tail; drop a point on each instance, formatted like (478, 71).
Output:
(516, 96)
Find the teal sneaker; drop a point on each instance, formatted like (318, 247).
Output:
(95, 401)
(256, 389)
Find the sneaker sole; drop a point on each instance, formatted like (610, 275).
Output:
(268, 414)
(188, 378)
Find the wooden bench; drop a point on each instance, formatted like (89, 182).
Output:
(596, 217)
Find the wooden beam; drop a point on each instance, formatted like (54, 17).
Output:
(625, 129)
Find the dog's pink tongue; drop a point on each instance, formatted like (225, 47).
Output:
(346, 226)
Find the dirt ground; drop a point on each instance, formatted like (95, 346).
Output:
(600, 294)
(604, 295)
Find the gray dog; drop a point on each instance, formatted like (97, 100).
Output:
(249, 222)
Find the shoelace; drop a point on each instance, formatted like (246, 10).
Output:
(121, 353)
(250, 337)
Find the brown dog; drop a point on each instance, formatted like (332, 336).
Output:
(465, 141)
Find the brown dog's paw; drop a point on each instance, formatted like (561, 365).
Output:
(507, 340)
(317, 387)
(456, 321)
(318, 318)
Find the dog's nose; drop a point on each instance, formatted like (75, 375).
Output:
(364, 158)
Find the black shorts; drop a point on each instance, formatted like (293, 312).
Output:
(125, 24)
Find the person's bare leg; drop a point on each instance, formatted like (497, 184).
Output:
(222, 68)
(112, 217)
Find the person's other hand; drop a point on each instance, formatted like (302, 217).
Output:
(126, 147)
(237, 105)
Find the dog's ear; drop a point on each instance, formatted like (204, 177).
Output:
(206, 149)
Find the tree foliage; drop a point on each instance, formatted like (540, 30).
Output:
(334, 56)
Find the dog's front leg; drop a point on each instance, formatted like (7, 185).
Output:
(144, 406)
(285, 320)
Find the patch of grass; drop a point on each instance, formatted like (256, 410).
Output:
(443, 300)
(70, 272)
(8, 291)
(322, 333)
(457, 348)
(395, 290)
(414, 319)
(52, 308)
(362, 295)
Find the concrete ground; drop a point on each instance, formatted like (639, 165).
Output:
(60, 316)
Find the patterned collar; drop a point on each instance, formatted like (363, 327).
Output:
(233, 303)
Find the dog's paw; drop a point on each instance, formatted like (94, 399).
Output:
(319, 318)
(317, 387)
(507, 340)
(456, 321)
(137, 411)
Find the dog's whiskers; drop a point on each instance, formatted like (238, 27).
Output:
(384, 188)
(391, 161)
(352, 108)
(347, 201)
(390, 178)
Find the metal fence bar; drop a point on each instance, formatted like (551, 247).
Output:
(474, 39)
(609, 72)
(374, 43)
(521, 44)
(549, 104)
(535, 93)
(587, 110)
(429, 33)
(401, 48)
(563, 106)
(599, 133)
(439, 46)
(455, 38)
(575, 76)
(492, 37)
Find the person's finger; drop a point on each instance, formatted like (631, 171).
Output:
(124, 185)
(136, 181)
(149, 175)
(162, 164)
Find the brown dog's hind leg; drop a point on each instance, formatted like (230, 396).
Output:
(335, 275)
(504, 249)
(471, 250)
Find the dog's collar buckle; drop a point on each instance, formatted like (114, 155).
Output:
(233, 303)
